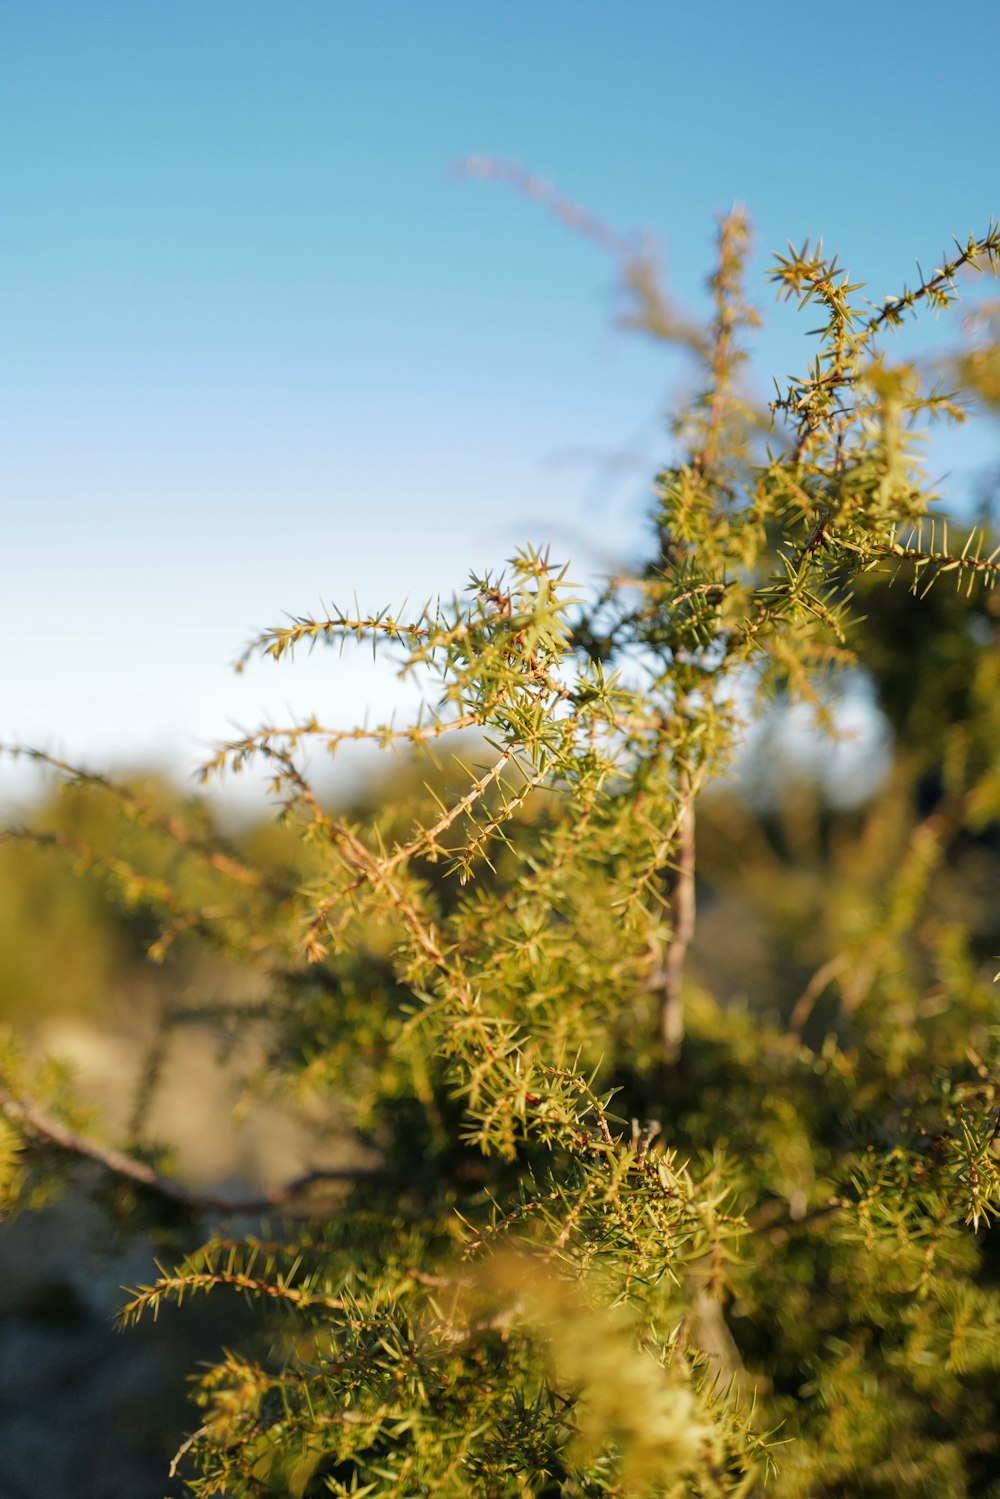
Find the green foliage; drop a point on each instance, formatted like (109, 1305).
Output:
(655, 1208)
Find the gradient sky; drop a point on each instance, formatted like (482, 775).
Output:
(262, 348)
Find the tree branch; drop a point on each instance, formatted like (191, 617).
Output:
(682, 901)
(130, 1168)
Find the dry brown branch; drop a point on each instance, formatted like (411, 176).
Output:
(185, 1448)
(803, 1006)
(653, 311)
(141, 1174)
(682, 903)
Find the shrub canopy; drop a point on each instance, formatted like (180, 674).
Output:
(643, 1206)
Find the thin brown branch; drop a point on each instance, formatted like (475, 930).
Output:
(496, 169)
(815, 1218)
(682, 901)
(424, 933)
(806, 1001)
(185, 1448)
(654, 312)
(969, 254)
(427, 838)
(141, 1174)
(439, 1282)
(236, 752)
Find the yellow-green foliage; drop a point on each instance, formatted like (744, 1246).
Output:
(645, 1209)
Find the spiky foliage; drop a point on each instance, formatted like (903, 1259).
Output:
(620, 1236)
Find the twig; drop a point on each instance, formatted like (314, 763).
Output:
(655, 313)
(806, 1001)
(439, 1282)
(118, 1163)
(184, 1448)
(815, 1218)
(682, 903)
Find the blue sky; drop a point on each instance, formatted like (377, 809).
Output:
(261, 347)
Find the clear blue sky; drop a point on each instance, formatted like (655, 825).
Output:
(260, 347)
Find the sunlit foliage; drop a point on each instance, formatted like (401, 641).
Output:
(642, 1212)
